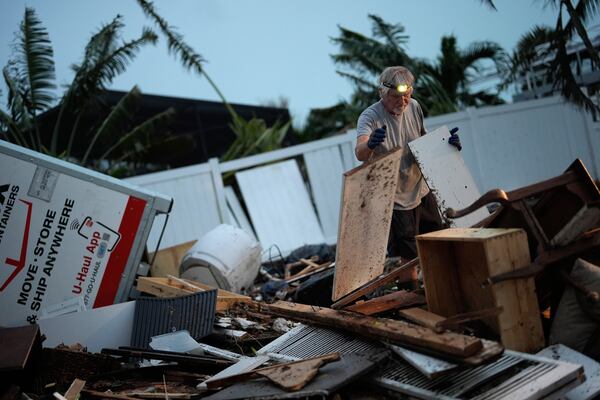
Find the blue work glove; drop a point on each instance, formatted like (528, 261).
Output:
(377, 137)
(454, 139)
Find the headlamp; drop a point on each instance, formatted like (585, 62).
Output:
(401, 88)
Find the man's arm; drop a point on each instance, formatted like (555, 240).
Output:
(362, 151)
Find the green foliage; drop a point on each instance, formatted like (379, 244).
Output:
(440, 87)
(29, 78)
(543, 43)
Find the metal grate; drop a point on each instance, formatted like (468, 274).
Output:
(514, 376)
(155, 316)
(308, 341)
(451, 383)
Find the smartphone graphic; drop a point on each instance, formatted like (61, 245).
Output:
(89, 226)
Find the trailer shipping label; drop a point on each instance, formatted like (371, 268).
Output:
(60, 237)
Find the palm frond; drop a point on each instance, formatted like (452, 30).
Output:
(150, 131)
(484, 50)
(488, 3)
(109, 61)
(114, 123)
(11, 130)
(36, 62)
(103, 62)
(392, 33)
(177, 46)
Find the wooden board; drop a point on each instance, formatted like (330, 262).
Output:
(167, 260)
(365, 217)
(403, 273)
(421, 317)
(397, 332)
(455, 263)
(17, 346)
(392, 301)
(279, 206)
(163, 287)
(447, 175)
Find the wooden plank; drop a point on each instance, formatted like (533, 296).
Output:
(447, 175)
(376, 284)
(468, 234)
(440, 279)
(73, 391)
(164, 287)
(520, 324)
(18, 344)
(167, 260)
(301, 373)
(365, 217)
(449, 343)
(421, 317)
(279, 206)
(392, 301)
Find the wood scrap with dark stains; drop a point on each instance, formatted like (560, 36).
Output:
(379, 328)
(404, 270)
(392, 301)
(289, 376)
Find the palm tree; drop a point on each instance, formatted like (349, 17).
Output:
(456, 70)
(440, 88)
(252, 136)
(109, 144)
(558, 70)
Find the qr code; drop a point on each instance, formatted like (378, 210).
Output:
(105, 236)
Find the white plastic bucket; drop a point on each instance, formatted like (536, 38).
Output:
(225, 257)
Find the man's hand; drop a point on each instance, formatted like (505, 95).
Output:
(454, 139)
(377, 137)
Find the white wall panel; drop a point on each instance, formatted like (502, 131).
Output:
(194, 212)
(279, 206)
(514, 145)
(325, 172)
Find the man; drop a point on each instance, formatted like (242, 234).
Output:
(393, 122)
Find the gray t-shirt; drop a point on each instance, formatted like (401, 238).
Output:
(401, 129)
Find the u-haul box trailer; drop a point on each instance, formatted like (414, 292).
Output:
(67, 234)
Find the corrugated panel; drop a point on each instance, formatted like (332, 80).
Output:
(325, 170)
(514, 376)
(155, 316)
(194, 213)
(280, 207)
(308, 341)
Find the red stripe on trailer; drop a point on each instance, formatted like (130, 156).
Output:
(119, 256)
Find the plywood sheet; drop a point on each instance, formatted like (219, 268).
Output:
(365, 217)
(447, 176)
(279, 206)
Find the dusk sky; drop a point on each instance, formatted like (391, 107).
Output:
(260, 50)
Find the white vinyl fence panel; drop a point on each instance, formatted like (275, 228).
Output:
(325, 169)
(518, 144)
(195, 209)
(279, 206)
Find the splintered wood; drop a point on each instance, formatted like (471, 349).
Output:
(365, 217)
